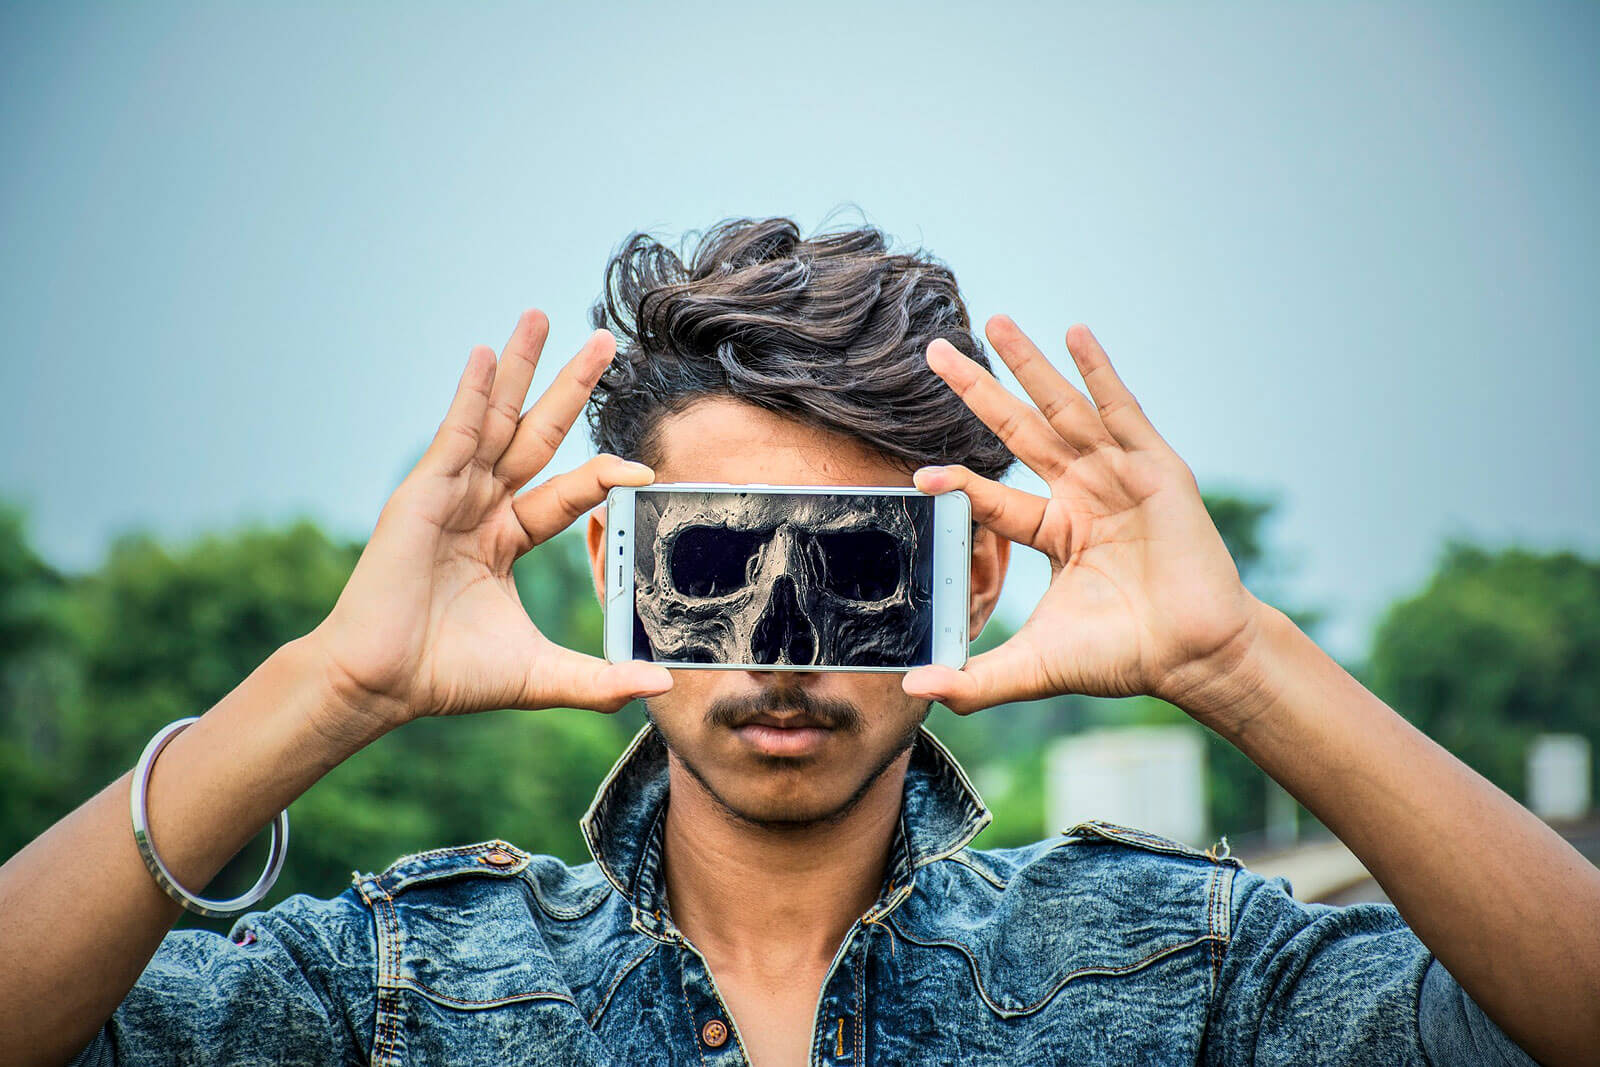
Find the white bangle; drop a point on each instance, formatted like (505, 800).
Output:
(138, 801)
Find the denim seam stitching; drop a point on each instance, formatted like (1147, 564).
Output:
(585, 905)
(1128, 835)
(589, 825)
(905, 869)
(646, 858)
(1212, 896)
(860, 1052)
(694, 1030)
(379, 947)
(404, 873)
(965, 861)
(627, 969)
(380, 1051)
(950, 768)
(447, 999)
(386, 1037)
(394, 1019)
(1008, 1013)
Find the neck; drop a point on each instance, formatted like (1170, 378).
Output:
(773, 902)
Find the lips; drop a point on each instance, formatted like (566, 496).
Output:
(794, 734)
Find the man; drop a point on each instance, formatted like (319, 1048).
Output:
(750, 906)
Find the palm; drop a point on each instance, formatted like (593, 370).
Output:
(430, 621)
(1141, 584)
(465, 637)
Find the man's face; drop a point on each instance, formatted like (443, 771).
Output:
(778, 747)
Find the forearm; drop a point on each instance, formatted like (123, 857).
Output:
(1510, 908)
(80, 916)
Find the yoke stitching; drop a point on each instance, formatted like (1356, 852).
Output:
(627, 969)
(1079, 972)
(964, 860)
(586, 903)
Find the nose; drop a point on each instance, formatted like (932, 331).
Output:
(784, 634)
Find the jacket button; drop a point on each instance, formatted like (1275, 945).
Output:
(498, 857)
(714, 1033)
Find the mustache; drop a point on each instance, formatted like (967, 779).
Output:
(826, 711)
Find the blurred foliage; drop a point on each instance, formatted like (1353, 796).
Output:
(1497, 647)
(91, 666)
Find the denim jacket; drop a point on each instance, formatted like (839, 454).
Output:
(1102, 945)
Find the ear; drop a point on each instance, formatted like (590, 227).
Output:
(595, 537)
(991, 555)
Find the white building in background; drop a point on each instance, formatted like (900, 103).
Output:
(1558, 776)
(1149, 777)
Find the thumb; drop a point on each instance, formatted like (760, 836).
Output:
(568, 679)
(1005, 673)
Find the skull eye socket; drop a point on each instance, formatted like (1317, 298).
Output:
(712, 561)
(860, 564)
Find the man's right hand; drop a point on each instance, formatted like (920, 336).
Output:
(430, 622)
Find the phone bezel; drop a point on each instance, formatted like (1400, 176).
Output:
(952, 571)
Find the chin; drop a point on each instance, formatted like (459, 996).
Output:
(788, 816)
(790, 812)
(792, 796)
(788, 795)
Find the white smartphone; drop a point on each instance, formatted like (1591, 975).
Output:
(787, 577)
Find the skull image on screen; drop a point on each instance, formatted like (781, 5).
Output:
(784, 578)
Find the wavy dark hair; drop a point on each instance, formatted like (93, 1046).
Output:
(830, 330)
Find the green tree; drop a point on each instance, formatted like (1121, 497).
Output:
(39, 678)
(1497, 647)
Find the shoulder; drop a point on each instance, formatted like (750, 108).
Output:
(489, 923)
(1098, 899)
(1093, 859)
(486, 871)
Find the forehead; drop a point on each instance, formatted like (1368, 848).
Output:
(720, 439)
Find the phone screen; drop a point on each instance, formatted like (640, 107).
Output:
(783, 579)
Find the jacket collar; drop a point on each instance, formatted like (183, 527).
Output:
(940, 812)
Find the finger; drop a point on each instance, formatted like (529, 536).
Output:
(512, 376)
(457, 438)
(1019, 425)
(1003, 674)
(1068, 411)
(566, 679)
(540, 432)
(1119, 411)
(553, 505)
(1011, 513)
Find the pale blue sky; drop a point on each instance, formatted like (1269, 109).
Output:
(1343, 253)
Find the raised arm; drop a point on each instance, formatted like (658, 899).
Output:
(1145, 599)
(429, 623)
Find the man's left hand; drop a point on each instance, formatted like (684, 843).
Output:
(1143, 596)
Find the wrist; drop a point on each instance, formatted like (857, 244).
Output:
(1230, 688)
(344, 714)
